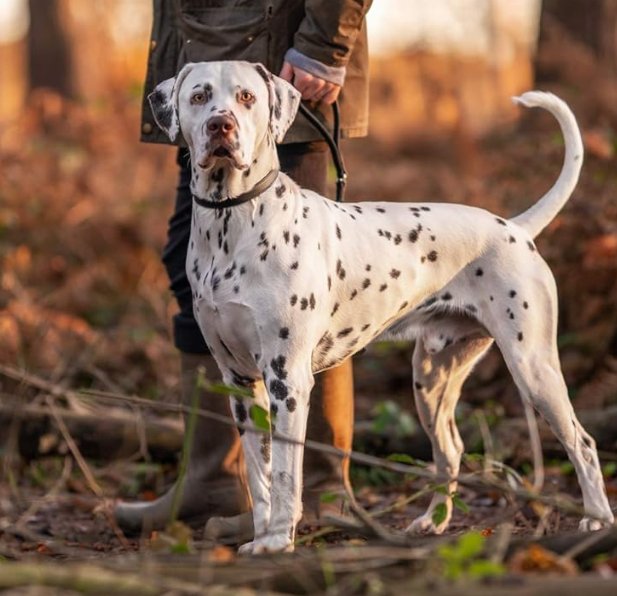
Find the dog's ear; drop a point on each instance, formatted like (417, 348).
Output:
(164, 103)
(284, 101)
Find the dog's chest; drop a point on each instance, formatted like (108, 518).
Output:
(235, 268)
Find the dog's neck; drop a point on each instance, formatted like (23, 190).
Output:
(223, 181)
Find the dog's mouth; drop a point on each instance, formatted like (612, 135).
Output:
(222, 151)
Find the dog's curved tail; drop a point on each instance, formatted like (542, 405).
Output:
(537, 217)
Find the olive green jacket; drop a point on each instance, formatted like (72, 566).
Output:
(329, 32)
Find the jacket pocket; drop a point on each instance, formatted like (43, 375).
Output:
(224, 34)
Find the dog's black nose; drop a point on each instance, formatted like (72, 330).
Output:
(221, 125)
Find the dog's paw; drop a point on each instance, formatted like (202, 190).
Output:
(589, 524)
(248, 548)
(271, 543)
(425, 525)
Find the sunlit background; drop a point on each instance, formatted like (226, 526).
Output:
(87, 277)
(109, 41)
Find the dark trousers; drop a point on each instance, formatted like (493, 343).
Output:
(306, 163)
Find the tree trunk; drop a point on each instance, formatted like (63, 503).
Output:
(48, 48)
(590, 22)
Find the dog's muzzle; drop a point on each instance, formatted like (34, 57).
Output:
(222, 131)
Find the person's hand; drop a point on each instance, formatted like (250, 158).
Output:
(311, 87)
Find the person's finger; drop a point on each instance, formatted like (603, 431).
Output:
(287, 72)
(327, 87)
(303, 82)
(332, 95)
(314, 89)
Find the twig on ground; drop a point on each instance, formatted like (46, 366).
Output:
(563, 503)
(81, 462)
(587, 541)
(487, 439)
(88, 579)
(88, 475)
(51, 544)
(55, 489)
(536, 446)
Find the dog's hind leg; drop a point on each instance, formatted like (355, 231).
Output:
(438, 379)
(538, 376)
(529, 347)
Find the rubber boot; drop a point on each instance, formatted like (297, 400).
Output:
(330, 422)
(213, 483)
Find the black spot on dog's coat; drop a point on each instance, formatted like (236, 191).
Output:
(240, 411)
(278, 366)
(162, 109)
(340, 271)
(279, 389)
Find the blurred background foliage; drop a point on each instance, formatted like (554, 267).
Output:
(84, 206)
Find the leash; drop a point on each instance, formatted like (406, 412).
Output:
(267, 181)
(333, 143)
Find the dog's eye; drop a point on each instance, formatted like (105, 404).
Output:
(198, 98)
(246, 97)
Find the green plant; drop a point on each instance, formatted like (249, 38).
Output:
(465, 558)
(389, 418)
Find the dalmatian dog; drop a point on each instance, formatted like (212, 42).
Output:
(287, 283)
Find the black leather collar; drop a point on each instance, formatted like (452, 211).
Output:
(262, 186)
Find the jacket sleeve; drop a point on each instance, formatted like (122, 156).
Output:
(329, 30)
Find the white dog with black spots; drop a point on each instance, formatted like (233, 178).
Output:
(287, 283)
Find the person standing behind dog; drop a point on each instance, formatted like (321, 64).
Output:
(320, 47)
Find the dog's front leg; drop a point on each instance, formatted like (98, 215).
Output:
(289, 395)
(257, 455)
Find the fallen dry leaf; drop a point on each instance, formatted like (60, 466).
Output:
(598, 144)
(536, 559)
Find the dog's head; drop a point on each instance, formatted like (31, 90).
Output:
(224, 110)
